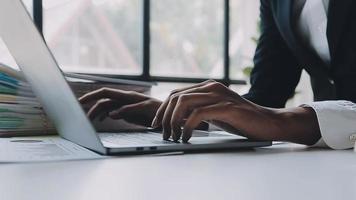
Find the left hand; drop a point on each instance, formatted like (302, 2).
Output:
(213, 102)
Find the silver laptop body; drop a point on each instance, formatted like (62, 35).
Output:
(32, 55)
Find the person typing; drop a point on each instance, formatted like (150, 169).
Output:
(315, 35)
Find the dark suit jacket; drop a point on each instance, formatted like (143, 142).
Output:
(280, 56)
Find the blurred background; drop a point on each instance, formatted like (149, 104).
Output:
(185, 41)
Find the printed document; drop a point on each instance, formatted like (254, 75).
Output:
(46, 148)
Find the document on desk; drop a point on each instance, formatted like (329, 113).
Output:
(41, 149)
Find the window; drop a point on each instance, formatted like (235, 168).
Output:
(95, 36)
(187, 37)
(157, 40)
(244, 32)
(178, 41)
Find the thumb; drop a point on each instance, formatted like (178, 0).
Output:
(125, 110)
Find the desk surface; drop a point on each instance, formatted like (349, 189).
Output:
(280, 172)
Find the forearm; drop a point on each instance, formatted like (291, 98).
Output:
(297, 125)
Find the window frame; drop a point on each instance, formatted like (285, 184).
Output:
(145, 75)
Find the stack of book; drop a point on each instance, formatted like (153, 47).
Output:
(21, 113)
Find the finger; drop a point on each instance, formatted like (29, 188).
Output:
(192, 86)
(96, 95)
(213, 112)
(165, 103)
(166, 119)
(200, 88)
(185, 104)
(101, 106)
(110, 93)
(199, 98)
(131, 109)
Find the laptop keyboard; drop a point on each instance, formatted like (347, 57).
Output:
(146, 138)
(133, 138)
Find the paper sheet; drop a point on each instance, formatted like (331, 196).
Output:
(37, 149)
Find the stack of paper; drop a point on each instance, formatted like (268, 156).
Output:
(42, 148)
(21, 114)
(20, 111)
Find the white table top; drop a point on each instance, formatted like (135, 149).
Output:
(279, 172)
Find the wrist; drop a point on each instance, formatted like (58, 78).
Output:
(298, 125)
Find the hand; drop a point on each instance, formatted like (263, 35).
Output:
(118, 104)
(214, 102)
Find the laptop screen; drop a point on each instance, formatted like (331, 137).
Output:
(34, 58)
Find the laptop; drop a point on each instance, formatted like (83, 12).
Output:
(41, 70)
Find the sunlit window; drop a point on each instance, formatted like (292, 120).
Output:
(185, 41)
(244, 33)
(95, 36)
(187, 38)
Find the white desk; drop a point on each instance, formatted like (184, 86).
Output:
(279, 172)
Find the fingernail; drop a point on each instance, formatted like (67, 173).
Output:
(154, 123)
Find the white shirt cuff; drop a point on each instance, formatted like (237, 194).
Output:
(337, 122)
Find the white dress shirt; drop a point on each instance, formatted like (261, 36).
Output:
(337, 119)
(312, 24)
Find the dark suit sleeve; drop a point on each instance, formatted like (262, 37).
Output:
(276, 72)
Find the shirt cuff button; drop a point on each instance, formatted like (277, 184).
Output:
(353, 138)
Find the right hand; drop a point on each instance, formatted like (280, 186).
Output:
(132, 107)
